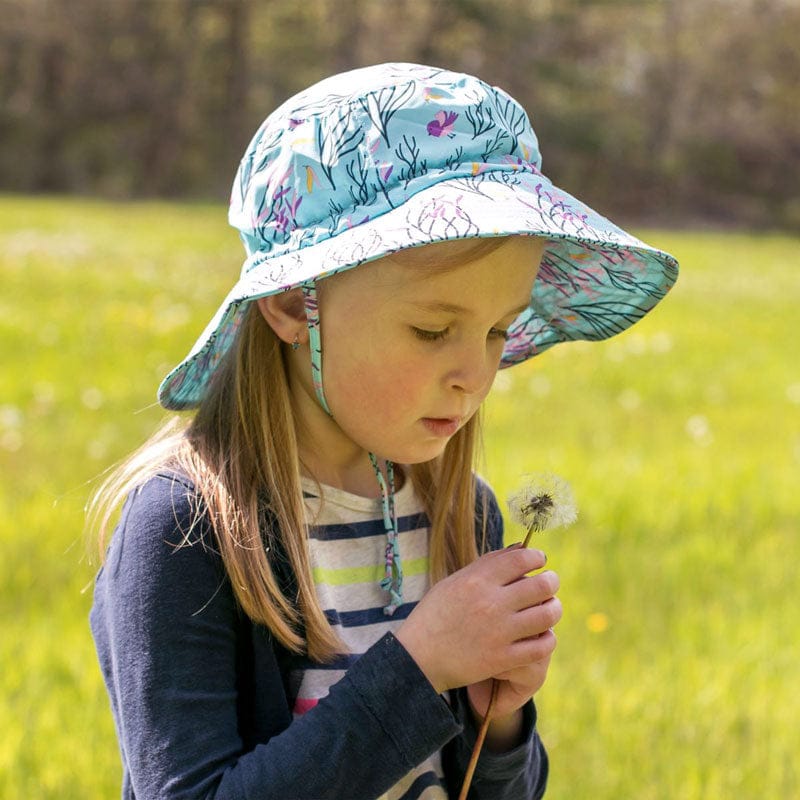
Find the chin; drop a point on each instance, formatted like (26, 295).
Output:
(417, 455)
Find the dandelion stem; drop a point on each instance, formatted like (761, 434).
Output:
(527, 539)
(476, 750)
(543, 502)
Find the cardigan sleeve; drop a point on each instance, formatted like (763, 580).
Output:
(165, 624)
(518, 774)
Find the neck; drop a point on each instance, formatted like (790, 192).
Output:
(359, 481)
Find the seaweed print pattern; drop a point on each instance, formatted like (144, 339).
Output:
(382, 105)
(335, 139)
(480, 117)
(512, 117)
(441, 219)
(408, 152)
(278, 220)
(358, 174)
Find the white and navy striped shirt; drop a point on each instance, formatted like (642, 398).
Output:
(347, 543)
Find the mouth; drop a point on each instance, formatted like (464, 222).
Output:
(442, 426)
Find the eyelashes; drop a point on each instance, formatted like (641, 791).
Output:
(498, 333)
(430, 336)
(436, 336)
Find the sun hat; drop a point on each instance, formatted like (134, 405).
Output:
(371, 161)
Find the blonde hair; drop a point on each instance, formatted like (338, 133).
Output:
(240, 451)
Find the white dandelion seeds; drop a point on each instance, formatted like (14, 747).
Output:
(542, 502)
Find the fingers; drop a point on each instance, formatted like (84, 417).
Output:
(529, 673)
(529, 602)
(534, 650)
(514, 562)
(519, 684)
(538, 619)
(532, 590)
(489, 617)
(531, 622)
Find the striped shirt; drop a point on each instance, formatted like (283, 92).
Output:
(347, 543)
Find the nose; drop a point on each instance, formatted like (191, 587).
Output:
(474, 370)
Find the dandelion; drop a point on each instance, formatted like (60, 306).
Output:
(542, 502)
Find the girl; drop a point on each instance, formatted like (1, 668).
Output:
(306, 595)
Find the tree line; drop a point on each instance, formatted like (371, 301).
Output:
(662, 110)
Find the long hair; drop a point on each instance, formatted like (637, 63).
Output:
(240, 451)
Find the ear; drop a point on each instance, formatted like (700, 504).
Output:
(285, 313)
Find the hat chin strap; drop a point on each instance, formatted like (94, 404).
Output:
(393, 578)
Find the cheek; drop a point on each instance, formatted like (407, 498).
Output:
(395, 380)
(385, 384)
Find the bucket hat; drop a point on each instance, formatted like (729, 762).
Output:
(393, 156)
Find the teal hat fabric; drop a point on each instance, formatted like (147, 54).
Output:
(372, 161)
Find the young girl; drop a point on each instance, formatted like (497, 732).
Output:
(306, 595)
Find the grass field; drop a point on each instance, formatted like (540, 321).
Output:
(679, 654)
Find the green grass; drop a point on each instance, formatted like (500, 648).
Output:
(677, 665)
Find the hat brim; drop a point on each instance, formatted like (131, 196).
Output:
(595, 280)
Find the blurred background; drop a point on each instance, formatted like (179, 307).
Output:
(121, 126)
(664, 109)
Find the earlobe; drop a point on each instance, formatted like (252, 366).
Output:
(285, 313)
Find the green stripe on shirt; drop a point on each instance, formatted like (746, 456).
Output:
(372, 572)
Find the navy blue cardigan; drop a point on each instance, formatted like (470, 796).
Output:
(198, 690)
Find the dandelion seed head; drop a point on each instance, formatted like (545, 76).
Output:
(543, 501)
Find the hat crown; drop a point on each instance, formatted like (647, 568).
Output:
(354, 146)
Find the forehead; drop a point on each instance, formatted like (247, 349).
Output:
(470, 272)
(441, 257)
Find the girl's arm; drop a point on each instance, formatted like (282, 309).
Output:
(165, 623)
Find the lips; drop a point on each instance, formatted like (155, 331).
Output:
(442, 426)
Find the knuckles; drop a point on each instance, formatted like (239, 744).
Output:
(543, 645)
(551, 612)
(548, 582)
(527, 559)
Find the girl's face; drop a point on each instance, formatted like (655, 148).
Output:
(411, 345)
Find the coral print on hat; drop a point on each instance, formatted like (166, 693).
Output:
(372, 161)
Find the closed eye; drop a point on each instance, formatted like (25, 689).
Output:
(434, 336)
(430, 336)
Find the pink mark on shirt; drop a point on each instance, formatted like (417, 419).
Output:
(302, 705)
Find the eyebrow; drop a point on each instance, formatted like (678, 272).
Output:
(454, 308)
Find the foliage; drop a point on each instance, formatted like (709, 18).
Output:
(678, 654)
(657, 107)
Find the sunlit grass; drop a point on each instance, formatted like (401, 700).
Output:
(678, 655)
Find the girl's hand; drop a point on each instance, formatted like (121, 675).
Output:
(516, 686)
(488, 619)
